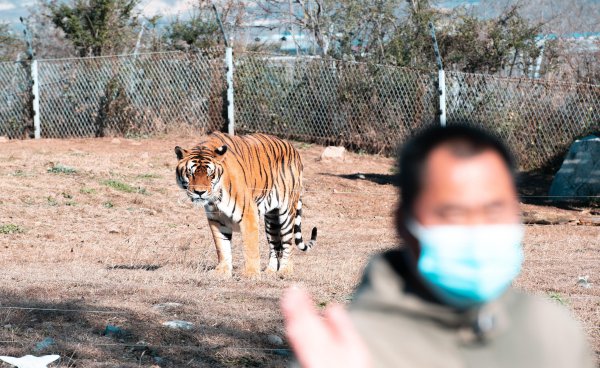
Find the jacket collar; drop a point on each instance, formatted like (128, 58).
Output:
(391, 284)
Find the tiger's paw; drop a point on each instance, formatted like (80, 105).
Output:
(286, 270)
(252, 273)
(272, 267)
(223, 270)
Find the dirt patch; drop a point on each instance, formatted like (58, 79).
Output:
(97, 234)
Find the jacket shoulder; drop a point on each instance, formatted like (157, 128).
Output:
(553, 329)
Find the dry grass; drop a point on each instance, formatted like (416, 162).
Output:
(115, 234)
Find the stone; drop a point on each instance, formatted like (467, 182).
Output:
(115, 141)
(167, 306)
(579, 174)
(4, 139)
(275, 340)
(333, 153)
(179, 325)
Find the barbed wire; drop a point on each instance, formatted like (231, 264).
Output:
(180, 313)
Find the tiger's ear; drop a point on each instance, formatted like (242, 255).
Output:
(221, 150)
(180, 152)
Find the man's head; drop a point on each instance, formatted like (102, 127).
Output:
(459, 212)
(457, 175)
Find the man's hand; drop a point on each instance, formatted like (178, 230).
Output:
(319, 342)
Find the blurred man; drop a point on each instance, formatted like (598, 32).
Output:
(444, 300)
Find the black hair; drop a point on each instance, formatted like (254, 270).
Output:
(462, 137)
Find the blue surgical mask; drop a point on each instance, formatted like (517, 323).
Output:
(468, 265)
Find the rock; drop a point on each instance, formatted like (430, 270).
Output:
(333, 153)
(42, 345)
(179, 325)
(167, 306)
(275, 340)
(135, 143)
(579, 174)
(115, 141)
(4, 139)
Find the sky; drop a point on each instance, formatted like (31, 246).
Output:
(11, 10)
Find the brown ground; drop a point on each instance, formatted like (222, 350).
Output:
(81, 246)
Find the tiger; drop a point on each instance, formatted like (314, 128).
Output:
(238, 179)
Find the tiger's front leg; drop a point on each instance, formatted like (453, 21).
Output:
(249, 229)
(222, 234)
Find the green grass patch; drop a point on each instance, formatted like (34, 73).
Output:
(11, 229)
(87, 191)
(108, 204)
(557, 298)
(304, 146)
(149, 176)
(67, 195)
(61, 169)
(70, 203)
(52, 201)
(124, 187)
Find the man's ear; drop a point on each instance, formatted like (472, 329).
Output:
(409, 239)
(180, 152)
(221, 150)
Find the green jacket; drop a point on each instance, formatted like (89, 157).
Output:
(404, 325)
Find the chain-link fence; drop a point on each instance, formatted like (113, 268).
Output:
(124, 95)
(538, 119)
(15, 100)
(361, 106)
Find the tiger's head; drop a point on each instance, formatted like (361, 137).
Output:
(199, 172)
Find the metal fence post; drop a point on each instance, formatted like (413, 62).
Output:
(35, 92)
(230, 109)
(441, 77)
(229, 75)
(35, 85)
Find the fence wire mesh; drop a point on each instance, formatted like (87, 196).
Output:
(15, 96)
(362, 106)
(370, 107)
(538, 119)
(132, 95)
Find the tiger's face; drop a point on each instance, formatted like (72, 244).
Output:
(199, 172)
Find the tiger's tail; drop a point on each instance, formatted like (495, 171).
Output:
(298, 231)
